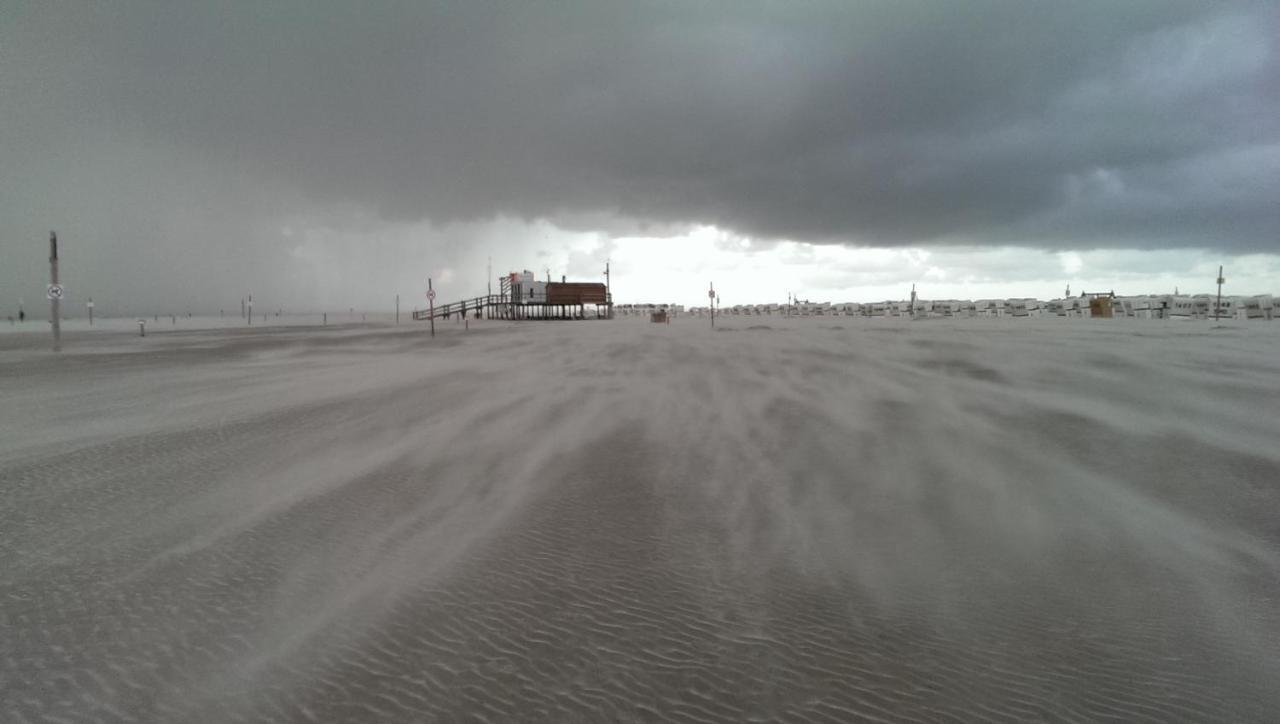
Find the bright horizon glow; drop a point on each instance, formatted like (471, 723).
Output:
(679, 269)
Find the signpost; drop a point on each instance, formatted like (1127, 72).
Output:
(711, 297)
(431, 302)
(55, 293)
(1217, 310)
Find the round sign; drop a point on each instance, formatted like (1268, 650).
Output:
(711, 294)
(431, 294)
(54, 291)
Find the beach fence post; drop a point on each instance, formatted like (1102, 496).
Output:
(324, 319)
(250, 309)
(1217, 309)
(397, 309)
(142, 327)
(89, 304)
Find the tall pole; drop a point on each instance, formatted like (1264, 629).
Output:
(608, 293)
(90, 306)
(1217, 310)
(250, 310)
(711, 300)
(397, 309)
(431, 302)
(55, 292)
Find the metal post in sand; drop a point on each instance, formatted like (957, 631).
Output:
(55, 293)
(1217, 310)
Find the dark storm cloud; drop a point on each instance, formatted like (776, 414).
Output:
(1059, 124)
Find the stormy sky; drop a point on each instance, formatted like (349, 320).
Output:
(326, 155)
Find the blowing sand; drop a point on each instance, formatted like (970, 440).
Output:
(778, 520)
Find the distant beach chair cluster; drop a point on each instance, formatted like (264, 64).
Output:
(1200, 306)
(647, 310)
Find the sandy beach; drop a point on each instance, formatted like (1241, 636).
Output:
(779, 520)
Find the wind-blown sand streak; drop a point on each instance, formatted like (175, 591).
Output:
(970, 519)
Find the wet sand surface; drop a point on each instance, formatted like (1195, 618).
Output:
(780, 520)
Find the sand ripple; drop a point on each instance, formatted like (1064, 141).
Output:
(625, 523)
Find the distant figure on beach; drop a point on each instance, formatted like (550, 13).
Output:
(22, 315)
